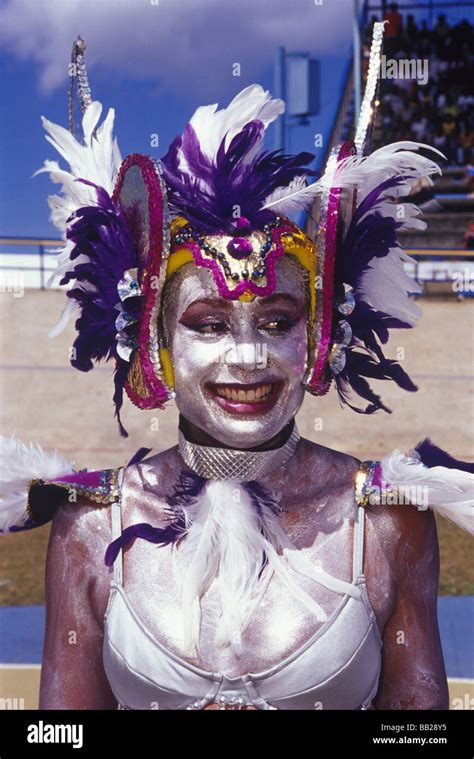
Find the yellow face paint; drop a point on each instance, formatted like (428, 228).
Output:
(167, 367)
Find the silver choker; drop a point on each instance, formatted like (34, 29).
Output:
(233, 463)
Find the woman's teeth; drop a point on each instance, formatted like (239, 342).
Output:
(246, 396)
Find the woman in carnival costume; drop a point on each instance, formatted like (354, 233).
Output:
(245, 567)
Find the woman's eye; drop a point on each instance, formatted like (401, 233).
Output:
(279, 324)
(210, 328)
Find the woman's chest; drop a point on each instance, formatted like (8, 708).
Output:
(279, 621)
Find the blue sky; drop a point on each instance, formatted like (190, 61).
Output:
(154, 63)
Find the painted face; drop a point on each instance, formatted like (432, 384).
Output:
(238, 366)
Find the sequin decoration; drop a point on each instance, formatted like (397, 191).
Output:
(337, 359)
(239, 259)
(367, 108)
(100, 486)
(128, 286)
(363, 481)
(343, 334)
(347, 304)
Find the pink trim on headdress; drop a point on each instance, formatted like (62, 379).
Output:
(317, 385)
(277, 252)
(158, 393)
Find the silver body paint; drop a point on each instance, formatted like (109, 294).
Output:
(197, 358)
(317, 494)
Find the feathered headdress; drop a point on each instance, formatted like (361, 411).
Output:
(219, 200)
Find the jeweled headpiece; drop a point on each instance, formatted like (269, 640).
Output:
(220, 201)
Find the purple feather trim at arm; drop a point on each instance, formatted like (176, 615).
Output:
(187, 488)
(431, 455)
(138, 456)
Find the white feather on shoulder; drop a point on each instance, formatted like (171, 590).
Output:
(449, 492)
(19, 464)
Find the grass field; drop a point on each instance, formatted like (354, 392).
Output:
(42, 399)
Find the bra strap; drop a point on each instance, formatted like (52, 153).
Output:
(358, 556)
(362, 489)
(117, 528)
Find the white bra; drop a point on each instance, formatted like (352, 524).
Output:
(336, 668)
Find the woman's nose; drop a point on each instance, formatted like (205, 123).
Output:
(244, 354)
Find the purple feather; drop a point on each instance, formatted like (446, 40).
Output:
(431, 455)
(160, 535)
(120, 376)
(360, 365)
(369, 235)
(186, 490)
(138, 456)
(208, 193)
(101, 233)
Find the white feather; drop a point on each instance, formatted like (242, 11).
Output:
(226, 536)
(449, 492)
(296, 197)
(385, 284)
(19, 464)
(212, 126)
(97, 160)
(363, 172)
(70, 308)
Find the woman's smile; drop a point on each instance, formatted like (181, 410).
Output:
(251, 398)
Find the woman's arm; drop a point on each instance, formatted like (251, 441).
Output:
(413, 674)
(72, 675)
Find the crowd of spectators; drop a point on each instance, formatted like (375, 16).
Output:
(440, 112)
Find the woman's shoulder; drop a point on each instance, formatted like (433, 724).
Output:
(80, 529)
(161, 466)
(396, 516)
(328, 468)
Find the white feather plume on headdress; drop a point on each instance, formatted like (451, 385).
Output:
(361, 172)
(212, 126)
(97, 160)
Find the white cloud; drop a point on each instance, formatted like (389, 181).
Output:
(181, 44)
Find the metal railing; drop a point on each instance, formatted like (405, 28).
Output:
(420, 256)
(40, 244)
